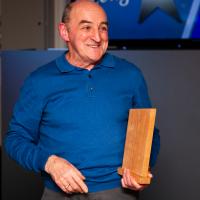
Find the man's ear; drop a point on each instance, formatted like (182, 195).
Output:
(63, 32)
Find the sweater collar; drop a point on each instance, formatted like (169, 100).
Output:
(64, 66)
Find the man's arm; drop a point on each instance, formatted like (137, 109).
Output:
(21, 142)
(141, 100)
(23, 133)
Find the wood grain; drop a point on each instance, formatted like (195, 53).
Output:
(138, 144)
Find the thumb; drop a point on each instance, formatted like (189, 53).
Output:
(150, 175)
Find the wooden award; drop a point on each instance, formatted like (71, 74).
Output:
(138, 144)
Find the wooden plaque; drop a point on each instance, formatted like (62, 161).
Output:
(138, 144)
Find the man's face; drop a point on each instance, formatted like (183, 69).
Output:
(87, 33)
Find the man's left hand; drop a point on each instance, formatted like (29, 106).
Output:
(130, 183)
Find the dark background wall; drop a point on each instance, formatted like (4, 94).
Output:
(173, 81)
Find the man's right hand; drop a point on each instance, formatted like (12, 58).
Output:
(65, 175)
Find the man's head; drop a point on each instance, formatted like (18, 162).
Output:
(85, 30)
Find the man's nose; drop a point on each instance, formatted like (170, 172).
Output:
(96, 35)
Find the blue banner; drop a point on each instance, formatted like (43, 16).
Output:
(152, 19)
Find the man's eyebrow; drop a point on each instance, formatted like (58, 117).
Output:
(84, 22)
(105, 23)
(89, 22)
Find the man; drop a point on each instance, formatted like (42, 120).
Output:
(70, 120)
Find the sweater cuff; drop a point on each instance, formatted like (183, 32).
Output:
(41, 160)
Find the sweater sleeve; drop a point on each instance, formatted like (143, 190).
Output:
(21, 140)
(141, 100)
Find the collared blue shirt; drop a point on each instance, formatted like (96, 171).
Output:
(80, 115)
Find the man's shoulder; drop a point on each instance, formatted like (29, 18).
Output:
(123, 64)
(44, 72)
(42, 76)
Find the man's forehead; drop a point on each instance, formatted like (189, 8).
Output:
(83, 7)
(81, 3)
(91, 22)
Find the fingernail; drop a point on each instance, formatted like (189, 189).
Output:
(86, 190)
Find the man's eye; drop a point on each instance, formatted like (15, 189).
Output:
(86, 28)
(104, 28)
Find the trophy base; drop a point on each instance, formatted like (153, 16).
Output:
(139, 179)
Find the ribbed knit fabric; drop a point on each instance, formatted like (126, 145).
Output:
(79, 115)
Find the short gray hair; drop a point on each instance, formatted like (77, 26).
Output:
(67, 11)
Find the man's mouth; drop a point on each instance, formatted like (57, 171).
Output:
(94, 45)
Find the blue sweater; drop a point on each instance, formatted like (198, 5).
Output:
(79, 115)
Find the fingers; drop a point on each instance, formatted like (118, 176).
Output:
(66, 188)
(129, 182)
(80, 183)
(150, 175)
(76, 183)
(123, 184)
(72, 183)
(66, 176)
(76, 180)
(69, 189)
(78, 172)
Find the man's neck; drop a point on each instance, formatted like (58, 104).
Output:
(77, 63)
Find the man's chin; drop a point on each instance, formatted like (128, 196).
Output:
(95, 58)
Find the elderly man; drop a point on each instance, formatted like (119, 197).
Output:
(70, 120)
